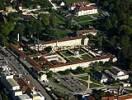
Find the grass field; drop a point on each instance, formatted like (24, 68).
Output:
(92, 85)
(73, 59)
(85, 57)
(66, 53)
(84, 19)
(84, 78)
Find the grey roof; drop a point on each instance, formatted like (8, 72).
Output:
(12, 82)
(115, 70)
(23, 97)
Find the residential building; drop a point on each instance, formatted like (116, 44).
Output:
(84, 8)
(3, 63)
(99, 76)
(117, 73)
(125, 84)
(37, 96)
(80, 39)
(43, 77)
(11, 85)
(24, 97)
(121, 97)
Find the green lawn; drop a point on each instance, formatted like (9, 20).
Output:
(66, 53)
(85, 57)
(80, 51)
(87, 69)
(59, 19)
(84, 77)
(95, 15)
(59, 33)
(84, 83)
(73, 59)
(83, 19)
(92, 85)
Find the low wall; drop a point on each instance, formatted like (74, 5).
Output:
(74, 66)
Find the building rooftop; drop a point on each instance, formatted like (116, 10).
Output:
(115, 70)
(25, 86)
(24, 97)
(12, 82)
(17, 51)
(84, 8)
(99, 75)
(87, 31)
(122, 97)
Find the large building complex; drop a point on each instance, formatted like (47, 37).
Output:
(68, 53)
(84, 8)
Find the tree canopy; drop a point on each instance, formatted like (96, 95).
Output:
(117, 28)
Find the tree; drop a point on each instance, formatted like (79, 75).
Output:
(98, 94)
(44, 19)
(117, 28)
(2, 4)
(52, 19)
(48, 49)
(6, 28)
(49, 74)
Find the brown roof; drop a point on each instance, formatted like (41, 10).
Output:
(38, 66)
(17, 51)
(24, 85)
(91, 98)
(123, 97)
(84, 8)
(81, 61)
(108, 98)
(35, 65)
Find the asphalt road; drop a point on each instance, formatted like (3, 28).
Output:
(71, 83)
(19, 68)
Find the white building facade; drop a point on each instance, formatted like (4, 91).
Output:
(87, 12)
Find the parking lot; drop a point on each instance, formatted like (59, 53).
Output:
(72, 83)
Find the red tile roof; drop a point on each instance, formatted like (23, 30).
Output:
(123, 97)
(35, 65)
(84, 8)
(17, 51)
(82, 61)
(24, 85)
(108, 98)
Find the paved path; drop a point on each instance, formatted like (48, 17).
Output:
(54, 6)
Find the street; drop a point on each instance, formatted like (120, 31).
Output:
(19, 68)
